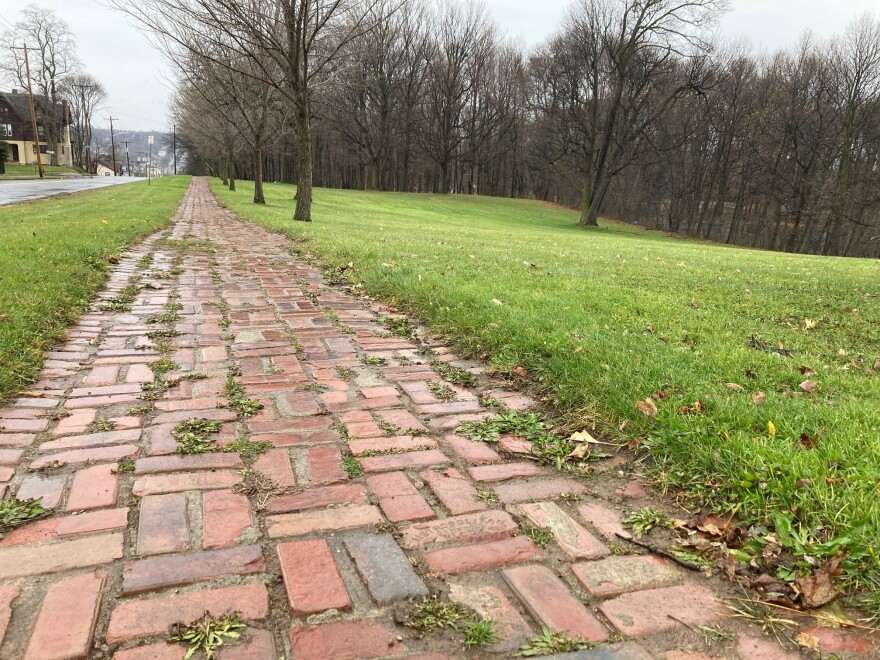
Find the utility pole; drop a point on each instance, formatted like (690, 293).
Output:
(27, 68)
(174, 148)
(127, 161)
(113, 144)
(150, 160)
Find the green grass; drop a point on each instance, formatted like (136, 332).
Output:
(53, 258)
(602, 318)
(15, 171)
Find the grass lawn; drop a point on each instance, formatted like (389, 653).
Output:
(16, 171)
(602, 318)
(52, 262)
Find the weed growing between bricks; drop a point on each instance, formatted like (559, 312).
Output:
(239, 403)
(550, 642)
(455, 375)
(14, 512)
(249, 449)
(257, 486)
(207, 633)
(192, 436)
(352, 466)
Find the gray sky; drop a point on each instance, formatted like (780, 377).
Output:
(135, 74)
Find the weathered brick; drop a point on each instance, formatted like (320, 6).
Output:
(49, 488)
(604, 519)
(275, 464)
(378, 392)
(398, 498)
(105, 375)
(537, 490)
(453, 490)
(105, 390)
(757, 648)
(344, 639)
(98, 401)
(163, 524)
(155, 484)
(225, 517)
(157, 651)
(574, 540)
(11, 456)
(470, 528)
(400, 443)
(546, 597)
(23, 425)
(175, 570)
(328, 520)
(512, 444)
(385, 569)
(185, 462)
(21, 560)
(471, 451)
(8, 593)
(412, 459)
(491, 603)
(311, 578)
(66, 623)
(324, 465)
(402, 419)
(154, 616)
(841, 640)
(50, 528)
(504, 471)
(83, 455)
(482, 557)
(16, 439)
(314, 498)
(76, 422)
(257, 645)
(92, 440)
(651, 611)
(93, 487)
(618, 575)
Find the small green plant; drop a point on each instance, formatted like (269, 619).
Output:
(143, 409)
(379, 452)
(15, 512)
(441, 391)
(550, 642)
(122, 301)
(244, 407)
(124, 467)
(101, 425)
(346, 373)
(162, 366)
(647, 519)
(540, 535)
(432, 614)
(398, 326)
(163, 333)
(479, 634)
(164, 317)
(374, 360)
(453, 374)
(248, 448)
(352, 466)
(487, 496)
(145, 261)
(207, 634)
(192, 436)
(387, 427)
(342, 430)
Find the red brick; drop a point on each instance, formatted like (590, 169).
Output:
(185, 462)
(6, 473)
(11, 456)
(324, 465)
(504, 471)
(413, 459)
(105, 375)
(398, 498)
(603, 519)
(311, 578)
(209, 403)
(158, 651)
(651, 611)
(50, 528)
(49, 488)
(220, 414)
(82, 455)
(490, 603)
(225, 517)
(840, 640)
(471, 451)
(574, 540)
(16, 439)
(105, 390)
(618, 575)
(175, 570)
(514, 445)
(356, 416)
(314, 498)
(154, 616)
(175, 483)
(402, 443)
(76, 422)
(482, 557)
(213, 354)
(275, 464)
(453, 490)
(546, 597)
(98, 401)
(257, 644)
(402, 419)
(92, 440)
(364, 430)
(632, 489)
(8, 593)
(316, 522)
(23, 425)
(537, 490)
(93, 487)
(378, 392)
(163, 524)
(344, 639)
(22, 560)
(66, 623)
(139, 373)
(756, 648)
(450, 408)
(470, 528)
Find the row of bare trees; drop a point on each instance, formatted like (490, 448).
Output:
(57, 76)
(628, 110)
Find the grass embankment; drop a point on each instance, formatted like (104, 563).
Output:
(602, 318)
(53, 260)
(16, 171)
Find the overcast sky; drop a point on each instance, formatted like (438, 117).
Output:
(136, 76)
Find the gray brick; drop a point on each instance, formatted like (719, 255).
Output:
(384, 567)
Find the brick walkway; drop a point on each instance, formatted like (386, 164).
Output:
(141, 537)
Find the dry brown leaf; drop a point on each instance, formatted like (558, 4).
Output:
(734, 387)
(521, 372)
(808, 386)
(579, 452)
(583, 436)
(647, 407)
(819, 588)
(759, 398)
(807, 641)
(877, 365)
(33, 395)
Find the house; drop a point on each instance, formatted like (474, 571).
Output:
(17, 130)
(105, 168)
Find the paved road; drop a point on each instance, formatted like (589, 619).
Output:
(12, 192)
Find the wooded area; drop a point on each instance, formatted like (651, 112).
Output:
(630, 111)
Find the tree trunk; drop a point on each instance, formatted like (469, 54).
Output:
(259, 198)
(303, 210)
(231, 174)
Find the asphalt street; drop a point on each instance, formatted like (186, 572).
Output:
(12, 192)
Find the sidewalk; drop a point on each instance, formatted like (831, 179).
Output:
(141, 537)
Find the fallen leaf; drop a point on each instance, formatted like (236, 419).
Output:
(647, 407)
(734, 387)
(819, 588)
(809, 441)
(578, 349)
(495, 301)
(803, 483)
(579, 452)
(33, 395)
(808, 386)
(649, 328)
(3, 317)
(877, 365)
(583, 436)
(521, 372)
(808, 324)
(807, 641)
(392, 310)
(748, 373)
(622, 424)
(805, 370)
(759, 398)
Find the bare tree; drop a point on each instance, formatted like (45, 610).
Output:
(84, 94)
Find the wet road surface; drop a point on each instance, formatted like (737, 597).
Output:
(12, 192)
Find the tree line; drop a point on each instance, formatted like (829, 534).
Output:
(631, 109)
